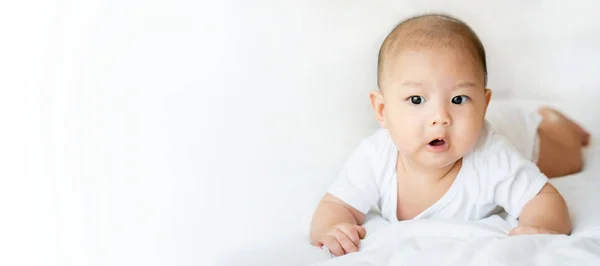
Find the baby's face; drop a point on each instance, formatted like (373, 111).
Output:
(434, 105)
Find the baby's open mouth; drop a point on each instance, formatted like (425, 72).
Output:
(437, 142)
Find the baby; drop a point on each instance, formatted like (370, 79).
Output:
(436, 156)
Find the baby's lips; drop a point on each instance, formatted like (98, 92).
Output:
(437, 141)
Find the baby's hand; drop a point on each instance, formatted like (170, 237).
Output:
(343, 238)
(530, 230)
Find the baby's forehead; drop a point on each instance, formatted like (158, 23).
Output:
(431, 33)
(409, 54)
(447, 65)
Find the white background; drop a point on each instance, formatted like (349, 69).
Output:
(166, 132)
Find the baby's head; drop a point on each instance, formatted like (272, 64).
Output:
(432, 93)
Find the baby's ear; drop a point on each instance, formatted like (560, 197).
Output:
(488, 97)
(377, 105)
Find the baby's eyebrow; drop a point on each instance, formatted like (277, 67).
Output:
(466, 84)
(416, 84)
(412, 84)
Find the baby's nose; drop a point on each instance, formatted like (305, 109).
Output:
(441, 122)
(441, 119)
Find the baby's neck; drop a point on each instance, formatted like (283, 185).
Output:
(425, 175)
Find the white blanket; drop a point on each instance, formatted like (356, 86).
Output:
(460, 243)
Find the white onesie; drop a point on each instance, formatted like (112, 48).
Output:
(493, 175)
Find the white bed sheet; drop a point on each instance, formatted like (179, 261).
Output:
(443, 243)
(478, 243)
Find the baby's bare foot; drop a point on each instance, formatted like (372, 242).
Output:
(554, 114)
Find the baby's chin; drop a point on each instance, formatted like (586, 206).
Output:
(439, 164)
(439, 161)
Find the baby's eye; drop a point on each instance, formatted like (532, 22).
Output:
(460, 99)
(416, 99)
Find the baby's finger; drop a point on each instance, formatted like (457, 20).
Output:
(519, 230)
(524, 230)
(318, 244)
(345, 241)
(362, 232)
(350, 231)
(332, 244)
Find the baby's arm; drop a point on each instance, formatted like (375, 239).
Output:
(336, 225)
(546, 213)
(518, 185)
(337, 221)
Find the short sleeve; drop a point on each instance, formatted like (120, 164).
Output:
(356, 182)
(512, 180)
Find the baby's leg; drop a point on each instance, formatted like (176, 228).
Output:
(560, 144)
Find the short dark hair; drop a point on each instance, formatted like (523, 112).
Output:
(428, 30)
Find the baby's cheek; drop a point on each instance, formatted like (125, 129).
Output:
(406, 124)
(409, 142)
(467, 130)
(401, 136)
